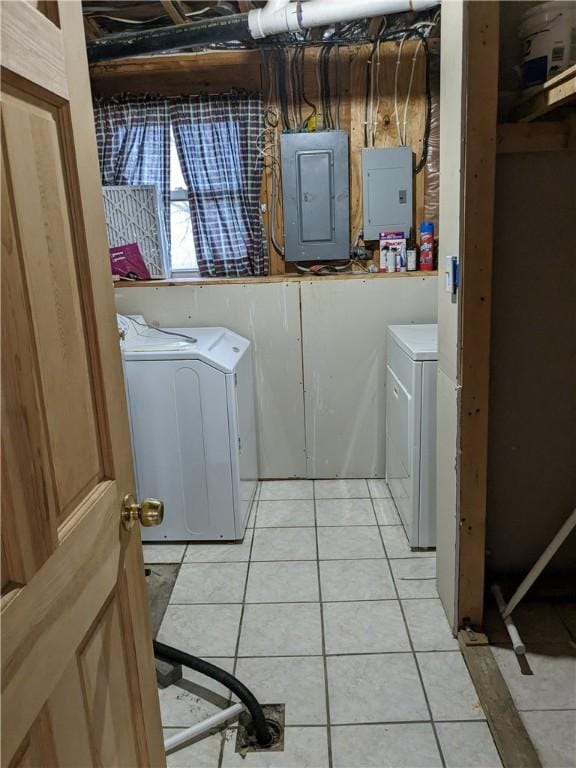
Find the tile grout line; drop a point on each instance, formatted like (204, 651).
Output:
(323, 636)
(333, 655)
(300, 560)
(289, 602)
(426, 699)
(255, 504)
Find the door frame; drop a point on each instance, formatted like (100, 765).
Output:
(479, 130)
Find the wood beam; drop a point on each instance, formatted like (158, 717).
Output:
(92, 28)
(173, 12)
(509, 732)
(480, 85)
(556, 92)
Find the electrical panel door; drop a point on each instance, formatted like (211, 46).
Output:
(387, 190)
(315, 190)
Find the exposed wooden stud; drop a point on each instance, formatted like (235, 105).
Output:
(480, 84)
(508, 731)
(374, 26)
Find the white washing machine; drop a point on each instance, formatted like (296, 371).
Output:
(192, 416)
(411, 428)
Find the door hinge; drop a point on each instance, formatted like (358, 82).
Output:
(235, 379)
(239, 445)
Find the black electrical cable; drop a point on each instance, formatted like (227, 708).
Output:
(262, 731)
(337, 83)
(327, 53)
(295, 88)
(303, 88)
(281, 84)
(325, 82)
(428, 122)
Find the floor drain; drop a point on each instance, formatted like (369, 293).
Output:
(245, 740)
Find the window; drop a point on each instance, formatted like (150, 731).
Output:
(182, 237)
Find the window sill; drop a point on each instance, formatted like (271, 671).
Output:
(179, 281)
(184, 274)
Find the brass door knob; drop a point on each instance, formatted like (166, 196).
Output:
(149, 512)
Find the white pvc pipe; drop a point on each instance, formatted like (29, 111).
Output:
(279, 16)
(566, 529)
(517, 644)
(183, 737)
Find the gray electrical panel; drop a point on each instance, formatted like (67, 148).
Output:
(315, 191)
(387, 191)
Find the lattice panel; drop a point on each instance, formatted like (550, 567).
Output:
(133, 215)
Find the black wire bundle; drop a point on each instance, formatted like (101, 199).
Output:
(295, 87)
(325, 96)
(302, 51)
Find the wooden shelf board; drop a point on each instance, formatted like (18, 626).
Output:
(556, 92)
(180, 281)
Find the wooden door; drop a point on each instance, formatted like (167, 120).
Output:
(78, 682)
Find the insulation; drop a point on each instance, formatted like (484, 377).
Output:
(432, 168)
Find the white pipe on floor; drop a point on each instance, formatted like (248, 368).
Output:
(183, 737)
(517, 644)
(280, 16)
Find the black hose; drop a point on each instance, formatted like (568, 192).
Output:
(261, 729)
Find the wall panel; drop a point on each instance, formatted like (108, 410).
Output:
(344, 352)
(330, 421)
(269, 315)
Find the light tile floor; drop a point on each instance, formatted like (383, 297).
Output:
(324, 608)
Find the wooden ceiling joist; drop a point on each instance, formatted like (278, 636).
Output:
(173, 11)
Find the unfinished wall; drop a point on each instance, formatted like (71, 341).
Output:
(532, 444)
(221, 71)
(319, 399)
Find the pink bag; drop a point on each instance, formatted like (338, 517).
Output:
(127, 262)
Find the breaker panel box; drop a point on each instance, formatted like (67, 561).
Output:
(387, 190)
(315, 191)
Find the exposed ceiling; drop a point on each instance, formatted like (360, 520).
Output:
(104, 17)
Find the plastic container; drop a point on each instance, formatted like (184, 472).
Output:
(401, 260)
(427, 246)
(548, 35)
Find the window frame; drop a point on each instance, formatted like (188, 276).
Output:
(179, 195)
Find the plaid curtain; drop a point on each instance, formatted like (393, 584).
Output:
(133, 135)
(217, 143)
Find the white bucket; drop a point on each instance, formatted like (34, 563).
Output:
(548, 35)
